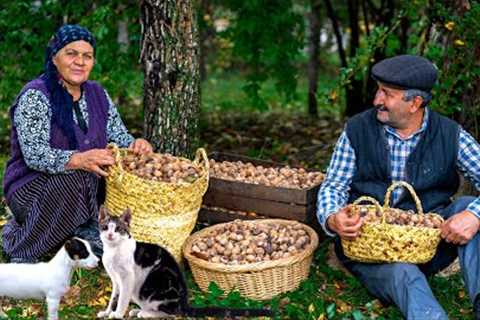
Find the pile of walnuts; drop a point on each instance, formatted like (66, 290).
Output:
(238, 243)
(401, 217)
(284, 177)
(161, 167)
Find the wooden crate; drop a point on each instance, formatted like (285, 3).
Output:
(272, 202)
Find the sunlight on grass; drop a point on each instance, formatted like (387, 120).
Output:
(225, 93)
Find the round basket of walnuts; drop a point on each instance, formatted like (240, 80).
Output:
(260, 258)
(164, 193)
(393, 235)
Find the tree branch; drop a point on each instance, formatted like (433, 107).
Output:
(336, 30)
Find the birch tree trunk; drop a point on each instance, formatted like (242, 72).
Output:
(169, 54)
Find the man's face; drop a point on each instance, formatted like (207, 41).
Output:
(392, 109)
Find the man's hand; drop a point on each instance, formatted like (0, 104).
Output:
(92, 161)
(460, 228)
(141, 146)
(346, 226)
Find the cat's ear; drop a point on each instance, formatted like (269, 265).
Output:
(102, 213)
(127, 216)
(68, 244)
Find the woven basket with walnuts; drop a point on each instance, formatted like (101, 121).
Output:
(393, 235)
(164, 193)
(260, 258)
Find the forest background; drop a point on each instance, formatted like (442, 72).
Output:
(272, 79)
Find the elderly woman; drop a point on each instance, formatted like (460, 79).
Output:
(61, 124)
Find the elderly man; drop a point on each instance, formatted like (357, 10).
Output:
(401, 139)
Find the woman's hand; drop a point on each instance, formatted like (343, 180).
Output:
(141, 146)
(92, 160)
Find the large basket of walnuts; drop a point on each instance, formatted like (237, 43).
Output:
(259, 258)
(393, 235)
(164, 193)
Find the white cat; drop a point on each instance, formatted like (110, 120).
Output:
(49, 280)
(148, 275)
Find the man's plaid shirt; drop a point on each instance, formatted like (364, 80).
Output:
(334, 191)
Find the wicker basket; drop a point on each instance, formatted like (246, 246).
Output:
(259, 280)
(162, 213)
(383, 242)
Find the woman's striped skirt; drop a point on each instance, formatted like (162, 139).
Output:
(47, 211)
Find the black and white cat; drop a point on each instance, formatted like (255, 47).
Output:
(148, 275)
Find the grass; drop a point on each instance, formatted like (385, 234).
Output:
(224, 92)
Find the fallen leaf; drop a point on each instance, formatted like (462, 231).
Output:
(342, 306)
(284, 302)
(449, 25)
(72, 296)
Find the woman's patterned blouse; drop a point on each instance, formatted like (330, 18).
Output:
(32, 119)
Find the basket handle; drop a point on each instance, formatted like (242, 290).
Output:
(118, 161)
(116, 151)
(409, 188)
(368, 199)
(201, 155)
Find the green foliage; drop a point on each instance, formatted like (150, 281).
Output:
(358, 66)
(3, 162)
(440, 33)
(268, 37)
(458, 62)
(223, 91)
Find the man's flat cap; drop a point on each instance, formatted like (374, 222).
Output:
(406, 72)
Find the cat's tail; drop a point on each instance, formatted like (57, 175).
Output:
(220, 312)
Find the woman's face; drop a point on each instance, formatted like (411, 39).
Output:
(74, 62)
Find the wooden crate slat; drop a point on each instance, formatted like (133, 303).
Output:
(260, 206)
(257, 191)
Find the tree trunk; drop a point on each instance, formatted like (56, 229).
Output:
(122, 35)
(169, 54)
(313, 51)
(338, 33)
(354, 91)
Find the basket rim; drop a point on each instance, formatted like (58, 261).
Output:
(398, 227)
(124, 172)
(256, 266)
